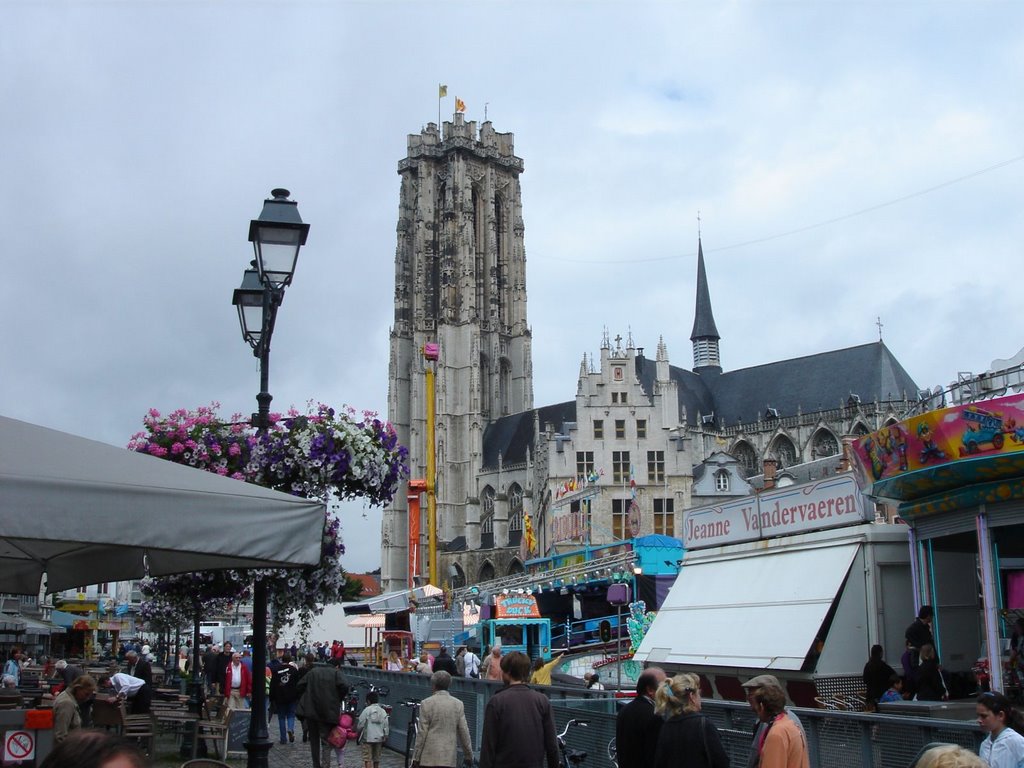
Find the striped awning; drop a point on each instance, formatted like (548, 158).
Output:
(371, 620)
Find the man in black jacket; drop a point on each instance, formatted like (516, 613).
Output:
(321, 691)
(139, 667)
(210, 667)
(637, 727)
(223, 660)
(445, 663)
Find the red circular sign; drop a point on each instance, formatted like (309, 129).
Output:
(19, 744)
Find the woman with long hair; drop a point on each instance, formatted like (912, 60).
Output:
(1004, 745)
(930, 685)
(685, 730)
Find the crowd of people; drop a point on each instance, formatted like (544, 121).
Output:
(661, 723)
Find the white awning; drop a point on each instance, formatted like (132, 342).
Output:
(752, 610)
(393, 602)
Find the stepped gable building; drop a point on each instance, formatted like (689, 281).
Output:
(642, 440)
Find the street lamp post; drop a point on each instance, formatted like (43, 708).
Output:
(276, 236)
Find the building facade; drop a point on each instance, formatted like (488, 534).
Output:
(641, 441)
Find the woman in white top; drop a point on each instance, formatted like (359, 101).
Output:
(1004, 745)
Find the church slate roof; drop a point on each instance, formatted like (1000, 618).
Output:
(511, 436)
(811, 383)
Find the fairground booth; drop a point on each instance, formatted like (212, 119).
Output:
(799, 581)
(957, 478)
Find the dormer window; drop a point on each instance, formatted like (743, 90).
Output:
(771, 413)
(722, 481)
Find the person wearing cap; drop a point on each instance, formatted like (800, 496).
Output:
(751, 687)
(637, 726)
(780, 744)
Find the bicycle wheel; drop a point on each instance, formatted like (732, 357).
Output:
(410, 742)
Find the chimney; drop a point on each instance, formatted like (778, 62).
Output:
(770, 465)
(846, 462)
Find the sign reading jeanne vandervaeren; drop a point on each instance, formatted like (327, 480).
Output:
(827, 503)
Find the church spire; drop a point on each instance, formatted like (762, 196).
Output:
(705, 335)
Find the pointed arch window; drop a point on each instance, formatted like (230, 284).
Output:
(515, 508)
(504, 385)
(744, 453)
(825, 444)
(783, 451)
(487, 511)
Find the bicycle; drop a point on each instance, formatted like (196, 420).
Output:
(571, 758)
(351, 702)
(411, 729)
(613, 753)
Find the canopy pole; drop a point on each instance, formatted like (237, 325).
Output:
(258, 745)
(989, 602)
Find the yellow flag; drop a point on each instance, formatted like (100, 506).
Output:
(442, 91)
(460, 105)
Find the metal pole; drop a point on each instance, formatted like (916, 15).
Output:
(258, 745)
(618, 648)
(989, 602)
(195, 701)
(431, 474)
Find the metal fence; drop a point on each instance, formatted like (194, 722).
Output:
(836, 739)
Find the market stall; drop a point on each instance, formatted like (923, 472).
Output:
(957, 476)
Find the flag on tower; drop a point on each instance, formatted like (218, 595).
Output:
(460, 105)
(442, 91)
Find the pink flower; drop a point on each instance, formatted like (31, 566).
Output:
(234, 450)
(177, 448)
(157, 450)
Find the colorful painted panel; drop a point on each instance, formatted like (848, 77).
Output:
(944, 450)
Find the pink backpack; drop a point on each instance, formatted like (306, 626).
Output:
(342, 732)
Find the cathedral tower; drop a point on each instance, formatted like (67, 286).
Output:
(460, 281)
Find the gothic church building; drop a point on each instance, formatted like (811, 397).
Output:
(642, 439)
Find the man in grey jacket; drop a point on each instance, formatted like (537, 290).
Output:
(519, 728)
(442, 720)
(321, 692)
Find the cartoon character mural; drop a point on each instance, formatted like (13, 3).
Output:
(929, 450)
(886, 449)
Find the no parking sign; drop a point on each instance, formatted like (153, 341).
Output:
(19, 746)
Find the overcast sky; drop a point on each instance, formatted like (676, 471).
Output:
(849, 161)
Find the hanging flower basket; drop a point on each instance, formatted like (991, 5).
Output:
(322, 454)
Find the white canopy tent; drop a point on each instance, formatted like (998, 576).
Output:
(85, 512)
(392, 602)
